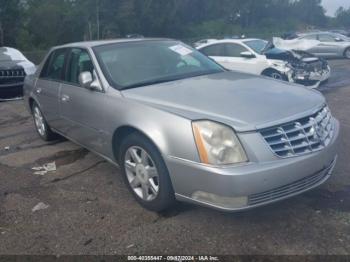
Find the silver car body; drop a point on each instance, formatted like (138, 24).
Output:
(164, 113)
(330, 44)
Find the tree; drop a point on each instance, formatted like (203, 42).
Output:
(10, 21)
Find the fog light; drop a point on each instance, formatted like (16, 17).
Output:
(220, 201)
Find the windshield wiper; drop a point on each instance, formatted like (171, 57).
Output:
(168, 79)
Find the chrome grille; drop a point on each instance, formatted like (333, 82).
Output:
(305, 135)
(12, 73)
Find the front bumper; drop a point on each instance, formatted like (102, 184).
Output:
(257, 183)
(314, 79)
(11, 91)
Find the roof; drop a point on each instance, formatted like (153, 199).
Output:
(216, 41)
(90, 44)
(234, 40)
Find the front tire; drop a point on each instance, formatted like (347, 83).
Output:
(275, 75)
(41, 125)
(145, 173)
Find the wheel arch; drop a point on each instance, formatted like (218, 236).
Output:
(270, 69)
(31, 102)
(345, 50)
(121, 133)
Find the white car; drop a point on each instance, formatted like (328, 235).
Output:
(14, 67)
(203, 41)
(260, 57)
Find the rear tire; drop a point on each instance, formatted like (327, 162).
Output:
(145, 173)
(41, 125)
(347, 53)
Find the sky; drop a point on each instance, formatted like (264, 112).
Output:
(332, 5)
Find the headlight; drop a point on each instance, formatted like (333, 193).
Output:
(217, 144)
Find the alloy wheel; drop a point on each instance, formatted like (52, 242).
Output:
(39, 121)
(276, 76)
(141, 173)
(347, 53)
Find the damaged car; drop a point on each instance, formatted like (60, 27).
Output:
(14, 67)
(260, 57)
(321, 44)
(181, 127)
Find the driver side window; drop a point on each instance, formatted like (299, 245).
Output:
(79, 61)
(213, 50)
(326, 38)
(234, 50)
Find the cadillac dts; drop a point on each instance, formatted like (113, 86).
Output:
(181, 127)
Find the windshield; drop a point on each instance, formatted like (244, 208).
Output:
(257, 45)
(342, 37)
(135, 64)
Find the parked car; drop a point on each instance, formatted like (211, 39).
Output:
(330, 44)
(13, 69)
(341, 31)
(289, 35)
(260, 57)
(203, 41)
(134, 36)
(182, 127)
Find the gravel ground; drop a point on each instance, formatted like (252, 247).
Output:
(91, 212)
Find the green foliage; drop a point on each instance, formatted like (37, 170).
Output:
(40, 24)
(342, 18)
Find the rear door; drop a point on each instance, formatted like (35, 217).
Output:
(48, 86)
(329, 46)
(81, 108)
(315, 50)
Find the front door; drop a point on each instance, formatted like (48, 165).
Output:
(81, 108)
(233, 60)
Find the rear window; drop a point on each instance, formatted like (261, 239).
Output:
(54, 66)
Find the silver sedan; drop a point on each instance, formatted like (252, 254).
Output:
(181, 127)
(330, 44)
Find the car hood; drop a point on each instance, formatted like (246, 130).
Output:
(243, 101)
(290, 55)
(28, 66)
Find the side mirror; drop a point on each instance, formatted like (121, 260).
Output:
(87, 81)
(337, 39)
(247, 54)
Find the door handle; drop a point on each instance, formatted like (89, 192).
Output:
(38, 90)
(65, 98)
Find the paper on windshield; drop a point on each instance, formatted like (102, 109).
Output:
(295, 44)
(181, 50)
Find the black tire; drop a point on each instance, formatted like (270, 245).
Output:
(46, 134)
(166, 196)
(347, 53)
(275, 74)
